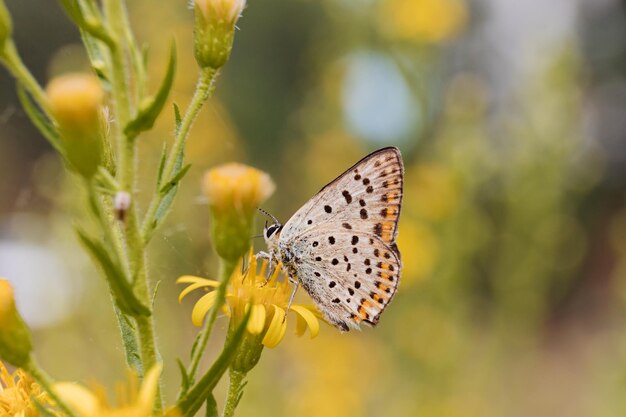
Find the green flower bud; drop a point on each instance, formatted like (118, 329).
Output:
(15, 340)
(75, 102)
(6, 26)
(234, 192)
(214, 30)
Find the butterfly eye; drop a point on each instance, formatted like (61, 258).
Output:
(271, 230)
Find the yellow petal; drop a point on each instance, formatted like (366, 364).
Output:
(78, 398)
(190, 279)
(309, 318)
(277, 328)
(189, 289)
(203, 305)
(148, 389)
(256, 323)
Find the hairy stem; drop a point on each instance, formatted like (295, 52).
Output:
(204, 89)
(234, 392)
(126, 173)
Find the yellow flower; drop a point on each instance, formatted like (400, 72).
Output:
(75, 102)
(15, 340)
(429, 21)
(234, 191)
(133, 402)
(17, 391)
(247, 291)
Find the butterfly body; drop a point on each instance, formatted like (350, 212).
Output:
(340, 246)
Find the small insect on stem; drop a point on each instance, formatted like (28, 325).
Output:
(121, 204)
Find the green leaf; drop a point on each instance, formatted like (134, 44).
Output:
(44, 126)
(87, 19)
(150, 110)
(191, 402)
(129, 338)
(196, 342)
(175, 180)
(121, 288)
(211, 406)
(161, 165)
(106, 181)
(184, 383)
(154, 293)
(177, 119)
(73, 10)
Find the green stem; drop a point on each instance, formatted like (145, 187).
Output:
(204, 89)
(113, 239)
(226, 270)
(126, 174)
(15, 65)
(234, 392)
(45, 382)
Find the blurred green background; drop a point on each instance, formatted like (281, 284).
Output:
(511, 117)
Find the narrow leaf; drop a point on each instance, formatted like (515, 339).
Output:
(191, 402)
(129, 338)
(39, 120)
(175, 180)
(151, 110)
(211, 406)
(161, 165)
(177, 119)
(184, 383)
(120, 286)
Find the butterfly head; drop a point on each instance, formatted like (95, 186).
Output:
(271, 234)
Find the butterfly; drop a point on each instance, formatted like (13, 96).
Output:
(341, 245)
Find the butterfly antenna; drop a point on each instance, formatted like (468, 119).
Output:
(268, 215)
(256, 236)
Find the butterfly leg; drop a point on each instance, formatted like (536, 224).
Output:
(268, 257)
(296, 284)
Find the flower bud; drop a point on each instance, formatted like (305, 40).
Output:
(75, 101)
(234, 192)
(15, 341)
(6, 26)
(214, 30)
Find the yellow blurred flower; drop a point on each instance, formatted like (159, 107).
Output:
(433, 191)
(15, 340)
(75, 98)
(234, 192)
(428, 21)
(133, 401)
(237, 187)
(76, 104)
(17, 391)
(421, 247)
(249, 290)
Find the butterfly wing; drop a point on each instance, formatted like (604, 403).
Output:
(357, 211)
(352, 276)
(366, 198)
